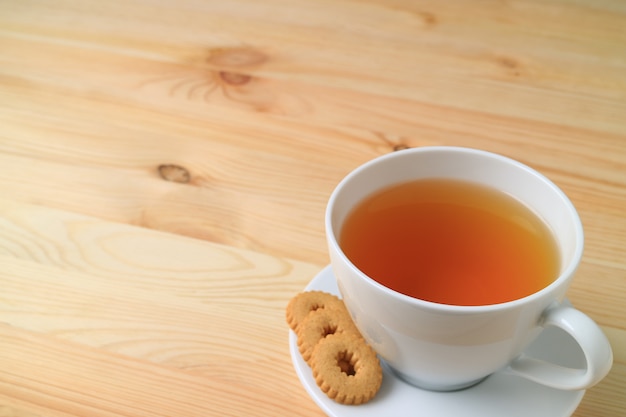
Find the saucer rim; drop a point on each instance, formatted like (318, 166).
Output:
(333, 409)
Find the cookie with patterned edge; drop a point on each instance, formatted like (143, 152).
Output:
(305, 302)
(346, 369)
(321, 323)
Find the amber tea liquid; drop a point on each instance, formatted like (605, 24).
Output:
(451, 242)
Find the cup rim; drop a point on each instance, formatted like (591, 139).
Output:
(566, 273)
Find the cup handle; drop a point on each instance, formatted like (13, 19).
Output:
(592, 341)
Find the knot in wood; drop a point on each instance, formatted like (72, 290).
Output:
(174, 173)
(234, 78)
(400, 147)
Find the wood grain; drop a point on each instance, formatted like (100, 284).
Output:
(111, 302)
(445, 82)
(165, 166)
(112, 385)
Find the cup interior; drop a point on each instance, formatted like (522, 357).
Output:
(525, 184)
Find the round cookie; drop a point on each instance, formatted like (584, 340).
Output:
(346, 369)
(305, 302)
(321, 323)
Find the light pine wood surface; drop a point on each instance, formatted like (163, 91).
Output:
(165, 166)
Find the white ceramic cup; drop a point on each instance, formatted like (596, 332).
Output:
(447, 347)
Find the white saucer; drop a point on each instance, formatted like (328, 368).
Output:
(497, 396)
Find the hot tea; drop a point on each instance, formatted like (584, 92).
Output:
(451, 242)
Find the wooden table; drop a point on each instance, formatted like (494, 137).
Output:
(165, 165)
